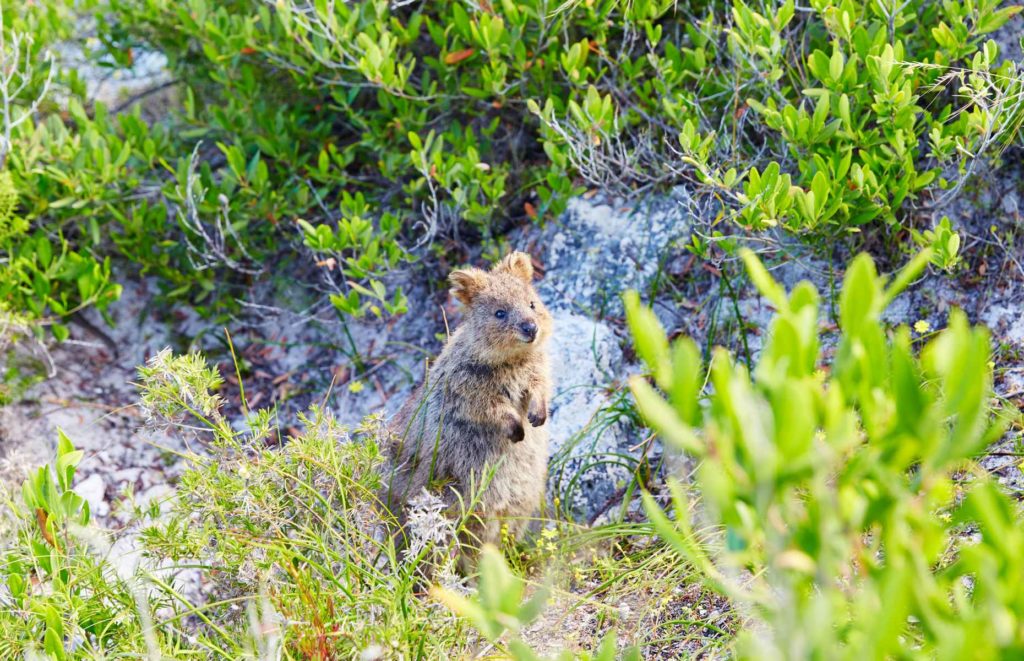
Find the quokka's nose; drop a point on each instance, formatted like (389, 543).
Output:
(529, 329)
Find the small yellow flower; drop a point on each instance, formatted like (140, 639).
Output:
(549, 533)
(921, 326)
(355, 387)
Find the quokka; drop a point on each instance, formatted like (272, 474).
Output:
(483, 406)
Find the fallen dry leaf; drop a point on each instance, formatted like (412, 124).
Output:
(283, 377)
(41, 518)
(458, 56)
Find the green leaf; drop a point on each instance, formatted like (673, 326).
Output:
(836, 64)
(649, 338)
(687, 380)
(54, 644)
(499, 590)
(60, 331)
(64, 444)
(906, 275)
(663, 418)
(531, 609)
(859, 301)
(762, 280)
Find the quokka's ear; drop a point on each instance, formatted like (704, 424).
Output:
(467, 283)
(518, 264)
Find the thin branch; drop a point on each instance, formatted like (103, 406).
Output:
(16, 74)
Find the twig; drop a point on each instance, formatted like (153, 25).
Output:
(135, 98)
(16, 71)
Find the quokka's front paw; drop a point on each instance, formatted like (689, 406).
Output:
(538, 412)
(515, 428)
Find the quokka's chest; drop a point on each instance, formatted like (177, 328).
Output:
(483, 381)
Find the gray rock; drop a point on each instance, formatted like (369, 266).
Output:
(595, 252)
(126, 476)
(585, 357)
(94, 490)
(1006, 321)
(157, 492)
(599, 249)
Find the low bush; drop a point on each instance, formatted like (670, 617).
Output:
(389, 129)
(44, 277)
(61, 598)
(851, 521)
(289, 544)
(443, 109)
(880, 119)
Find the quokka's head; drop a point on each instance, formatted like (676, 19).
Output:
(502, 308)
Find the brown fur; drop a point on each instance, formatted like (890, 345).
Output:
(484, 404)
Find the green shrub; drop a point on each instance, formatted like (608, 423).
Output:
(852, 521)
(453, 115)
(299, 524)
(371, 131)
(294, 532)
(43, 278)
(60, 596)
(874, 115)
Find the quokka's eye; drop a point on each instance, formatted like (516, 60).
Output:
(531, 306)
(501, 314)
